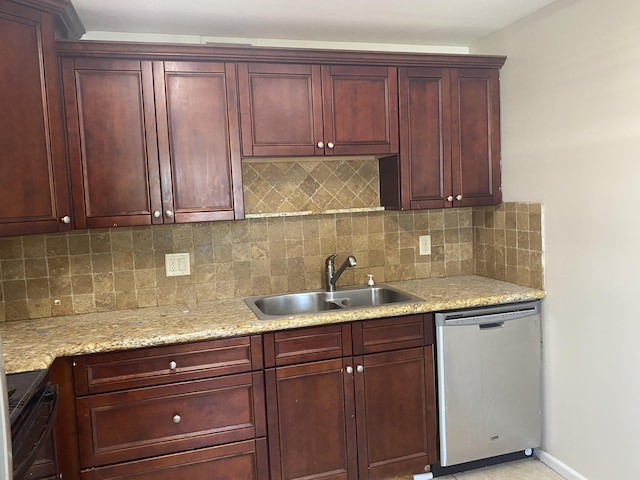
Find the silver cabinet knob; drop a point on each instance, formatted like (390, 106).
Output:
(360, 369)
(320, 144)
(177, 418)
(330, 145)
(173, 365)
(458, 197)
(157, 214)
(450, 198)
(349, 369)
(66, 219)
(169, 213)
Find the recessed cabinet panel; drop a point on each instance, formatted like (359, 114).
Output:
(476, 136)
(170, 418)
(360, 109)
(33, 175)
(236, 461)
(311, 429)
(199, 157)
(114, 145)
(392, 413)
(112, 141)
(281, 109)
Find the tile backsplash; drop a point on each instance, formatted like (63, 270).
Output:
(122, 268)
(508, 243)
(309, 184)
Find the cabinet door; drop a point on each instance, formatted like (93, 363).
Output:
(475, 149)
(112, 142)
(199, 141)
(281, 109)
(425, 140)
(360, 108)
(310, 420)
(395, 408)
(34, 190)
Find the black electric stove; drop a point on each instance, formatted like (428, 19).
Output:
(32, 407)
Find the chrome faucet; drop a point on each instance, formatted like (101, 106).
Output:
(331, 274)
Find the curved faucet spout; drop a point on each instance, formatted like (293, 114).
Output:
(332, 276)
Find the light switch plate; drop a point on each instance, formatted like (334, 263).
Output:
(177, 264)
(425, 244)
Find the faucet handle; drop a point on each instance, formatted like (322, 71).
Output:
(330, 259)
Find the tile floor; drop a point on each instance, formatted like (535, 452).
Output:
(527, 469)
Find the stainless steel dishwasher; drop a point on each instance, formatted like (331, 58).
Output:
(489, 381)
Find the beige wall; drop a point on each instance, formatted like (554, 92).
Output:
(571, 140)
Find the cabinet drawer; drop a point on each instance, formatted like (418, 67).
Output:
(307, 345)
(372, 336)
(107, 372)
(151, 421)
(237, 461)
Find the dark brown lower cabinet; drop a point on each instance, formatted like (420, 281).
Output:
(355, 417)
(310, 413)
(394, 407)
(237, 461)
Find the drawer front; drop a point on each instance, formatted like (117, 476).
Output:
(372, 336)
(237, 461)
(307, 345)
(132, 424)
(108, 372)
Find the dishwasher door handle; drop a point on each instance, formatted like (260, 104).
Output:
(489, 326)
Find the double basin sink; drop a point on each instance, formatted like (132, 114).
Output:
(270, 307)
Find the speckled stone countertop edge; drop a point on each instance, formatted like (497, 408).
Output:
(35, 344)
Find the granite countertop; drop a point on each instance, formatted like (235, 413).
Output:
(34, 344)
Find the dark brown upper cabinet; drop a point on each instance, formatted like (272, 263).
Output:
(306, 110)
(34, 186)
(152, 142)
(449, 140)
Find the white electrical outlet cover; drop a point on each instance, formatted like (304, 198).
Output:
(177, 264)
(424, 242)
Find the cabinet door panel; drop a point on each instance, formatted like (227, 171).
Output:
(281, 109)
(476, 137)
(425, 141)
(34, 191)
(131, 424)
(199, 140)
(112, 141)
(112, 371)
(236, 461)
(392, 408)
(360, 109)
(310, 418)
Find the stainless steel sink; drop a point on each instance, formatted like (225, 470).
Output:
(270, 307)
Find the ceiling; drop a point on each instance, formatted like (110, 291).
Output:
(410, 22)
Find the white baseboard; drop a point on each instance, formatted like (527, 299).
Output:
(554, 464)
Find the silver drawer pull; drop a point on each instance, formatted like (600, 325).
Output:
(349, 369)
(360, 369)
(173, 365)
(177, 418)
